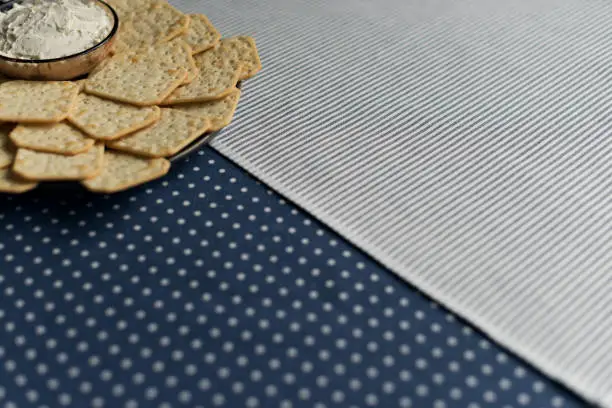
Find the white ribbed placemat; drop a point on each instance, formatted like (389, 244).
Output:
(465, 144)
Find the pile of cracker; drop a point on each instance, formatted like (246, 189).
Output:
(171, 79)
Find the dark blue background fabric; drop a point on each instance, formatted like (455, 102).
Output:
(206, 289)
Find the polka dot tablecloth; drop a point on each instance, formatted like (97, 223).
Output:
(205, 290)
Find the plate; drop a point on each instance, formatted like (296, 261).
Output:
(6, 5)
(185, 152)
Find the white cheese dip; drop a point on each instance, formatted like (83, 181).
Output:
(45, 29)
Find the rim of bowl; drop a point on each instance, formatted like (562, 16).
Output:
(106, 39)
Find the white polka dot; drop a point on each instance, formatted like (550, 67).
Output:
(557, 402)
(456, 393)
(523, 399)
(405, 402)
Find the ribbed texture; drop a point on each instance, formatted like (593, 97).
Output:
(464, 144)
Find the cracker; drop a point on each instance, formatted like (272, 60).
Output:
(192, 73)
(60, 138)
(201, 35)
(80, 83)
(103, 119)
(139, 79)
(126, 38)
(38, 166)
(121, 7)
(11, 183)
(93, 71)
(242, 50)
(218, 78)
(144, 4)
(174, 131)
(126, 8)
(219, 112)
(7, 150)
(122, 171)
(175, 53)
(36, 101)
(157, 22)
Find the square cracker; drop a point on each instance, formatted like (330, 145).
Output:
(36, 101)
(80, 83)
(176, 53)
(242, 50)
(122, 171)
(182, 55)
(188, 62)
(156, 22)
(126, 8)
(174, 131)
(38, 166)
(60, 138)
(103, 119)
(139, 79)
(144, 4)
(219, 112)
(201, 34)
(130, 5)
(120, 6)
(11, 183)
(126, 38)
(218, 78)
(7, 149)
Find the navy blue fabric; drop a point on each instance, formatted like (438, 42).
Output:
(206, 289)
